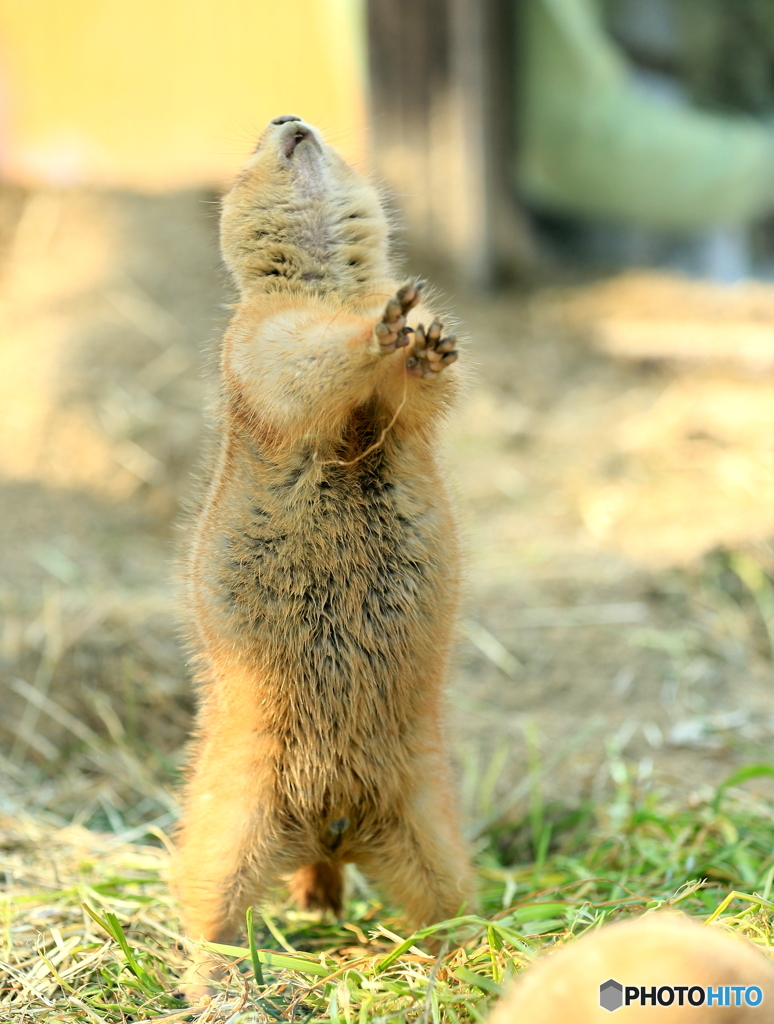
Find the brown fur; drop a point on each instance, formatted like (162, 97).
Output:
(321, 596)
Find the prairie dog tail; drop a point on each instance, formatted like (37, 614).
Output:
(319, 887)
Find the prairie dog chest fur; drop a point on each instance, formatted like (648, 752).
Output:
(336, 576)
(322, 572)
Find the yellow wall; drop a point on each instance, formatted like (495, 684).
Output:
(161, 93)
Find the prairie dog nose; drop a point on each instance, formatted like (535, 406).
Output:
(284, 118)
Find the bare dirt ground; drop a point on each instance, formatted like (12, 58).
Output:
(620, 613)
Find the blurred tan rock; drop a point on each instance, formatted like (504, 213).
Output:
(655, 316)
(659, 949)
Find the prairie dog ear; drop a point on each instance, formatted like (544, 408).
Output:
(661, 949)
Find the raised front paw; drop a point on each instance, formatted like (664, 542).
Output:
(391, 331)
(432, 352)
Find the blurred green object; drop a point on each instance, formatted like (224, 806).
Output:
(595, 143)
(727, 49)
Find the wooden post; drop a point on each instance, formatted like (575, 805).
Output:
(442, 99)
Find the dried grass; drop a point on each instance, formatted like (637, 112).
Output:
(584, 676)
(91, 933)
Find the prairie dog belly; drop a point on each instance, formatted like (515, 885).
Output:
(330, 584)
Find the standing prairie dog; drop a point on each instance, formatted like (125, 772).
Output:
(323, 569)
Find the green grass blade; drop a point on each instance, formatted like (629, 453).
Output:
(277, 933)
(98, 920)
(150, 986)
(395, 954)
(479, 980)
(270, 959)
(749, 771)
(112, 926)
(253, 948)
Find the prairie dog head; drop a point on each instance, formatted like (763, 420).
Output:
(299, 217)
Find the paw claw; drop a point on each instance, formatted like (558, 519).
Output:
(432, 352)
(391, 330)
(409, 295)
(434, 332)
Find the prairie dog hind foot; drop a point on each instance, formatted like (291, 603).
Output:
(199, 983)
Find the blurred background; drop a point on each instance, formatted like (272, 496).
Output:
(591, 184)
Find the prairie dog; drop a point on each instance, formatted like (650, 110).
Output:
(323, 571)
